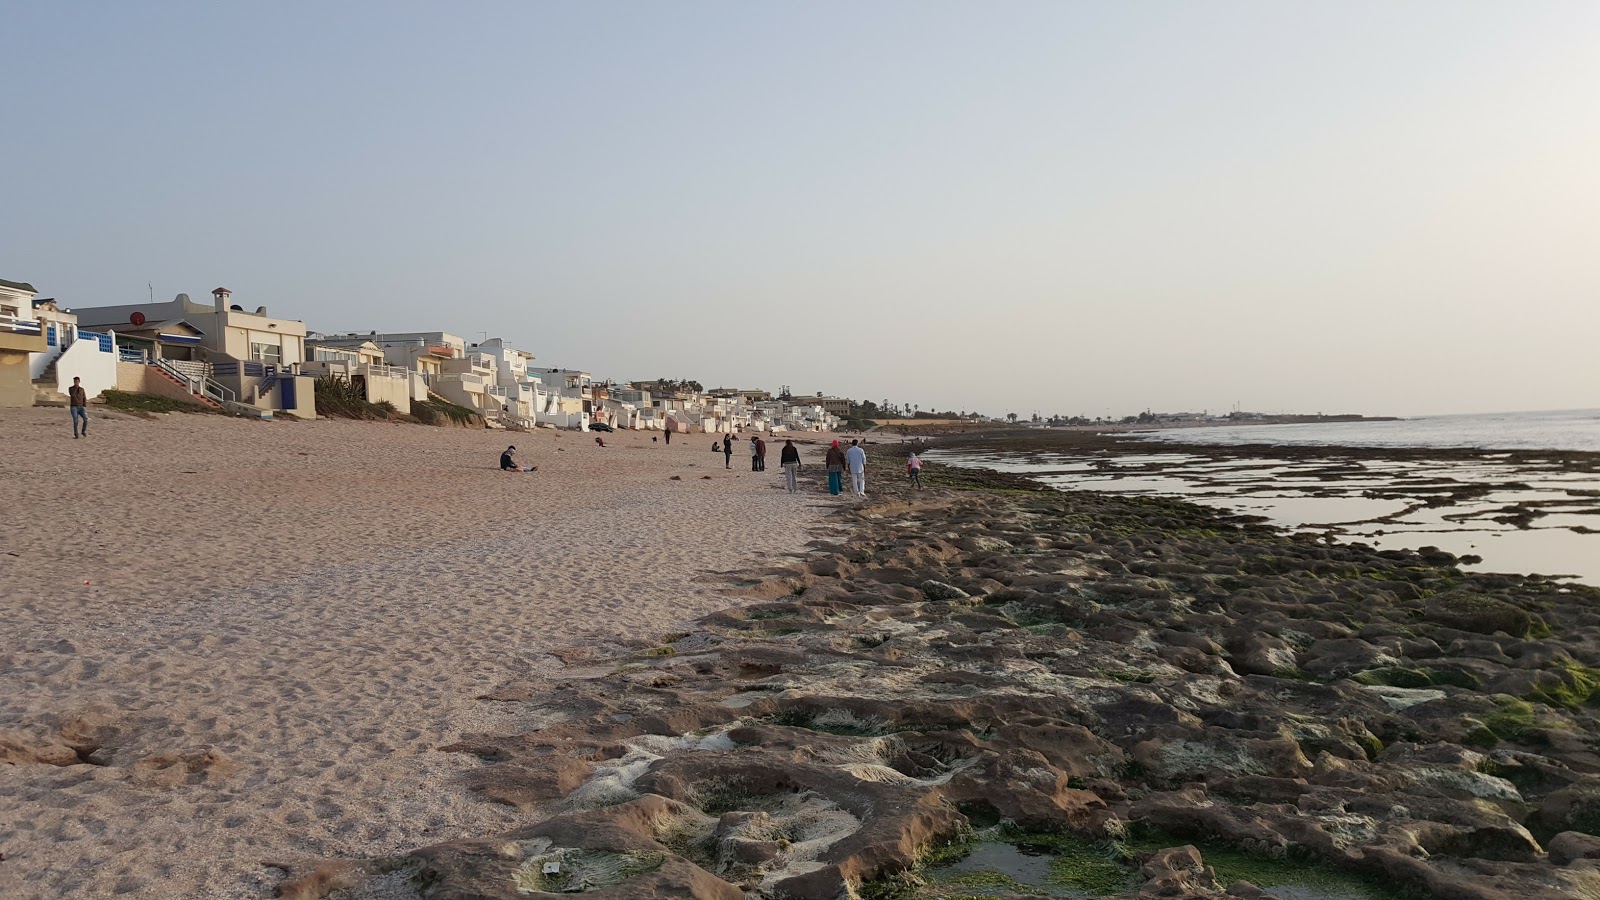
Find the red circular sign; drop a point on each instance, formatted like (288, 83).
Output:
(137, 319)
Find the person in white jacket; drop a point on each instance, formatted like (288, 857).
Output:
(855, 459)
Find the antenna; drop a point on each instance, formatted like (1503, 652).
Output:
(152, 289)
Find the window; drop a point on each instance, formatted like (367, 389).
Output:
(266, 353)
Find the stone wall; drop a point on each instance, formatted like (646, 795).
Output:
(144, 379)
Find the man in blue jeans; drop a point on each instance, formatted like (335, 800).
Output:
(78, 402)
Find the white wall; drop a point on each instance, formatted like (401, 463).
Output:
(85, 360)
(396, 390)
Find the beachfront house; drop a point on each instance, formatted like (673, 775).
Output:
(471, 380)
(21, 336)
(567, 401)
(364, 366)
(251, 359)
(517, 391)
(420, 353)
(70, 352)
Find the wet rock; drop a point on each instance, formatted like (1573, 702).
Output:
(1124, 663)
(1480, 614)
(1570, 846)
(938, 590)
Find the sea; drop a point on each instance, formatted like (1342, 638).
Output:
(1506, 512)
(1572, 429)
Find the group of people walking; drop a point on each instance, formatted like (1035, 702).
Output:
(839, 461)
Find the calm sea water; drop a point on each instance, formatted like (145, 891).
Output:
(1573, 429)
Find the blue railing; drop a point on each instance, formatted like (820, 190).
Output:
(104, 340)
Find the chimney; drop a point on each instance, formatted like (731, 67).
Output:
(221, 295)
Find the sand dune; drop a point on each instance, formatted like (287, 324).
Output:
(248, 639)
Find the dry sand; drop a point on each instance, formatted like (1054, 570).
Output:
(269, 629)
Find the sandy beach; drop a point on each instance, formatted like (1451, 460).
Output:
(231, 646)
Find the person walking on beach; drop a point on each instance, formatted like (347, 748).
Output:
(727, 451)
(669, 437)
(835, 463)
(790, 460)
(761, 455)
(914, 469)
(755, 459)
(78, 404)
(856, 459)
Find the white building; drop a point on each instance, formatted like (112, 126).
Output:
(70, 353)
(21, 336)
(566, 399)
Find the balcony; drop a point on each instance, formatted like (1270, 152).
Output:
(25, 335)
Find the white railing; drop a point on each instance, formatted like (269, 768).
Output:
(383, 370)
(198, 384)
(20, 325)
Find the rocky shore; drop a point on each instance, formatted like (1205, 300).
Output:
(986, 689)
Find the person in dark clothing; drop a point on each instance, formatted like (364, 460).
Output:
(727, 451)
(78, 402)
(508, 461)
(669, 437)
(761, 455)
(789, 458)
(755, 454)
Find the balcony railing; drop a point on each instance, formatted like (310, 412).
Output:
(20, 325)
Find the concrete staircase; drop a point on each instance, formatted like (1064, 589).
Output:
(44, 388)
(201, 399)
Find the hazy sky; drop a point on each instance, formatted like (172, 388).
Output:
(1388, 207)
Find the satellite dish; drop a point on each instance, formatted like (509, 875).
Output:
(136, 319)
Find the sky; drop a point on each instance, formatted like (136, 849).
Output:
(1056, 207)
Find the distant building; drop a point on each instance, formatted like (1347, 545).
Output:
(835, 406)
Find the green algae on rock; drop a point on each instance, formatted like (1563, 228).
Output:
(1116, 680)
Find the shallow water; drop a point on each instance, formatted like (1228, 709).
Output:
(1519, 516)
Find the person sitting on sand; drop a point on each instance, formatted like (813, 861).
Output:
(508, 461)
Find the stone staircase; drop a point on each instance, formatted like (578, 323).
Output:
(201, 399)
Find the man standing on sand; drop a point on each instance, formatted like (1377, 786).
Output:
(78, 403)
(669, 437)
(755, 455)
(856, 459)
(727, 451)
(790, 460)
(761, 455)
(835, 463)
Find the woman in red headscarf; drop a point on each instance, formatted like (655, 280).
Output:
(835, 461)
